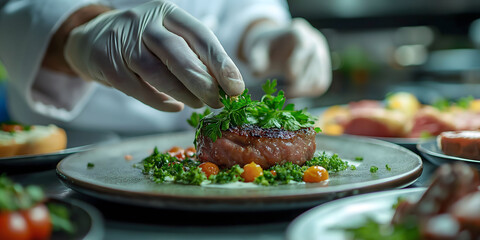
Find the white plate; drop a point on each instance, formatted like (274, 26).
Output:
(434, 154)
(322, 222)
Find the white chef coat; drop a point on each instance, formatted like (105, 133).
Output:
(39, 96)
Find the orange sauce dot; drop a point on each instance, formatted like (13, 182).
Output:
(315, 174)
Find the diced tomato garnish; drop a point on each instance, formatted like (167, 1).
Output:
(209, 168)
(11, 127)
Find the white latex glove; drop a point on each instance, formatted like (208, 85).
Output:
(157, 53)
(298, 52)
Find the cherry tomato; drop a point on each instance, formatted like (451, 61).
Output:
(177, 152)
(315, 174)
(175, 149)
(251, 171)
(179, 155)
(39, 222)
(11, 127)
(190, 151)
(209, 168)
(13, 226)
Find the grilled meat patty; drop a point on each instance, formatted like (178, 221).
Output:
(265, 147)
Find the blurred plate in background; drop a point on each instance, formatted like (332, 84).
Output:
(87, 221)
(434, 154)
(77, 141)
(322, 222)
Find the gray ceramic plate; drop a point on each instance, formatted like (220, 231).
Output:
(77, 141)
(320, 222)
(114, 178)
(434, 154)
(409, 143)
(87, 221)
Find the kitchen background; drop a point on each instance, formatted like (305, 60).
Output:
(430, 48)
(426, 47)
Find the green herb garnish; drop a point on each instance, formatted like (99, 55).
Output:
(441, 104)
(330, 163)
(358, 158)
(425, 135)
(465, 102)
(60, 217)
(352, 167)
(228, 175)
(269, 112)
(373, 230)
(388, 167)
(90, 165)
(23, 127)
(373, 169)
(444, 104)
(162, 167)
(289, 172)
(14, 196)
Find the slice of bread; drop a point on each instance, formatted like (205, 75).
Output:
(37, 140)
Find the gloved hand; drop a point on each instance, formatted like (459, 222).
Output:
(299, 52)
(157, 53)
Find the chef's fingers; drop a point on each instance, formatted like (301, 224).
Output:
(150, 69)
(177, 56)
(207, 47)
(129, 83)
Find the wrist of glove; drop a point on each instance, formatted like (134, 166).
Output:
(157, 53)
(297, 52)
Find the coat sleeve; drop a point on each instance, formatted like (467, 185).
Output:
(26, 27)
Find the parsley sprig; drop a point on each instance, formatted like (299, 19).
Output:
(444, 104)
(269, 112)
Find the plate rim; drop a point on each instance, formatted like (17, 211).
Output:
(297, 222)
(421, 148)
(312, 194)
(52, 158)
(56, 153)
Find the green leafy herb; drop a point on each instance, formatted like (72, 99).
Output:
(60, 217)
(23, 127)
(194, 120)
(162, 167)
(373, 169)
(388, 167)
(269, 112)
(373, 230)
(330, 163)
(358, 158)
(90, 165)
(13, 196)
(465, 102)
(228, 175)
(289, 172)
(425, 135)
(352, 167)
(442, 104)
